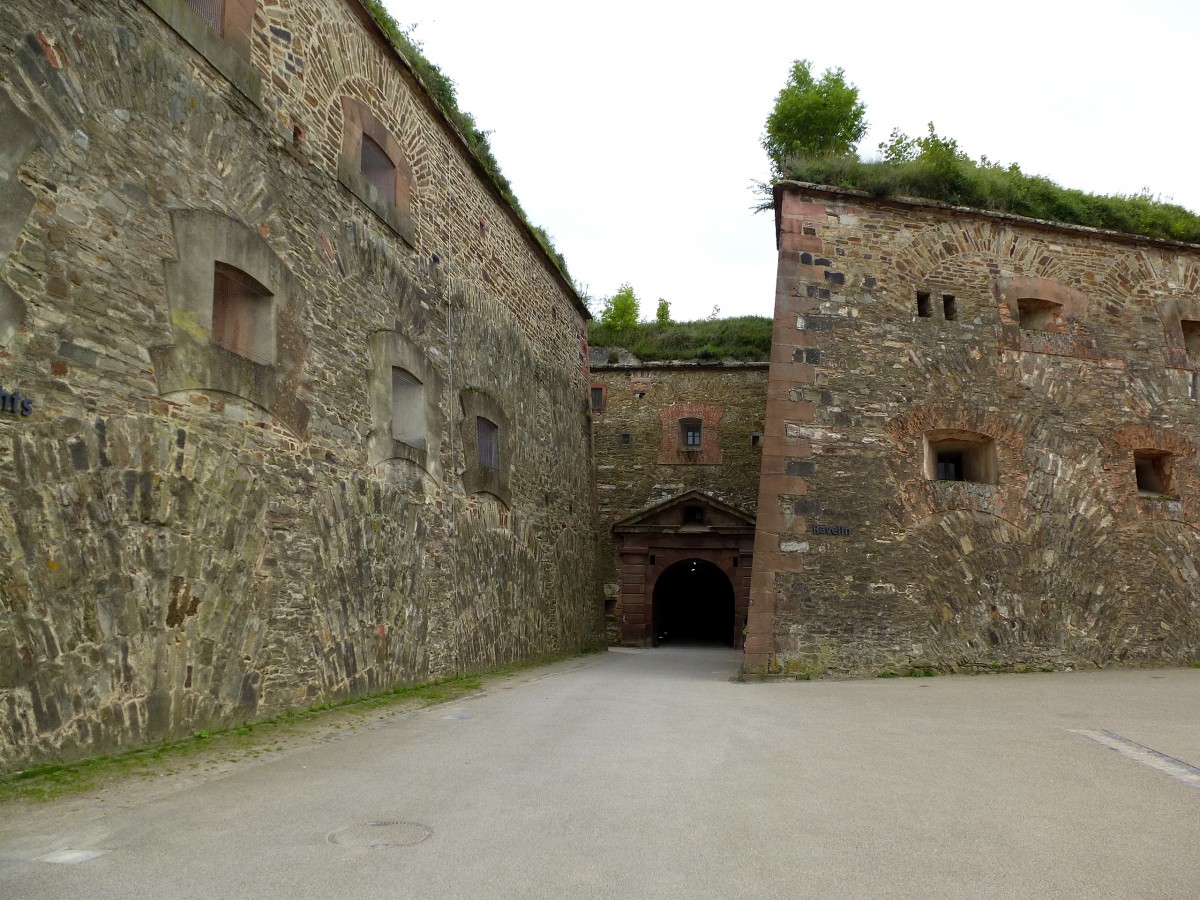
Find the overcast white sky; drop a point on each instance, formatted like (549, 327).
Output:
(630, 130)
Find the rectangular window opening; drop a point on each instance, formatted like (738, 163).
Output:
(1155, 471)
(960, 456)
(597, 399)
(242, 315)
(1038, 315)
(211, 11)
(949, 466)
(378, 168)
(626, 439)
(949, 307)
(488, 437)
(690, 431)
(693, 514)
(924, 310)
(755, 439)
(1191, 335)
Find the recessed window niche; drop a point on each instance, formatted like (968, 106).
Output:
(1155, 474)
(234, 318)
(1191, 335)
(487, 449)
(1036, 314)
(373, 167)
(405, 394)
(960, 456)
(243, 319)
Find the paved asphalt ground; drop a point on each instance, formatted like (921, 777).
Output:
(651, 773)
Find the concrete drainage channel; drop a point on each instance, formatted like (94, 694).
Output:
(380, 835)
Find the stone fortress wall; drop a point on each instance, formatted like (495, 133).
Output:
(981, 444)
(638, 457)
(387, 482)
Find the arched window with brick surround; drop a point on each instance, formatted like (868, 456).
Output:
(373, 167)
(1181, 329)
(954, 455)
(1039, 315)
(690, 435)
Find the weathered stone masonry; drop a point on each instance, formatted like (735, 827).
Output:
(195, 535)
(643, 465)
(995, 423)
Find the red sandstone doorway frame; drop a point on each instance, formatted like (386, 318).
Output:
(649, 543)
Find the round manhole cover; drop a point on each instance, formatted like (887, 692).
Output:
(380, 835)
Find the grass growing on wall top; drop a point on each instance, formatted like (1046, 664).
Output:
(442, 89)
(745, 338)
(952, 177)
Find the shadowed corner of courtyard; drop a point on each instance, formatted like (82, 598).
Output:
(207, 753)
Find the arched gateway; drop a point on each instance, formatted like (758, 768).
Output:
(685, 571)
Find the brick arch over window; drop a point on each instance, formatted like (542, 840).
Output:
(676, 421)
(1038, 315)
(368, 148)
(1171, 454)
(209, 244)
(920, 494)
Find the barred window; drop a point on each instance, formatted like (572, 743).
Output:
(378, 168)
(242, 315)
(488, 439)
(211, 11)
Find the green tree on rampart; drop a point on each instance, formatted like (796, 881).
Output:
(620, 311)
(814, 117)
(663, 314)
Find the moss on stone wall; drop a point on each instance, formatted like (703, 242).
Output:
(442, 89)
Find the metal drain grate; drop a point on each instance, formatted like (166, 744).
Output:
(380, 835)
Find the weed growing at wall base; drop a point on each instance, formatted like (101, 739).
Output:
(233, 743)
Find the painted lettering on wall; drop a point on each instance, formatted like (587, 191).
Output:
(840, 530)
(15, 403)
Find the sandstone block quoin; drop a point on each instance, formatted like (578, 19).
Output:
(210, 514)
(1051, 365)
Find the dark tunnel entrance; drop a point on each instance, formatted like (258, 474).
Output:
(693, 603)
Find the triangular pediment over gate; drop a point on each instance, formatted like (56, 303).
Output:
(691, 511)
